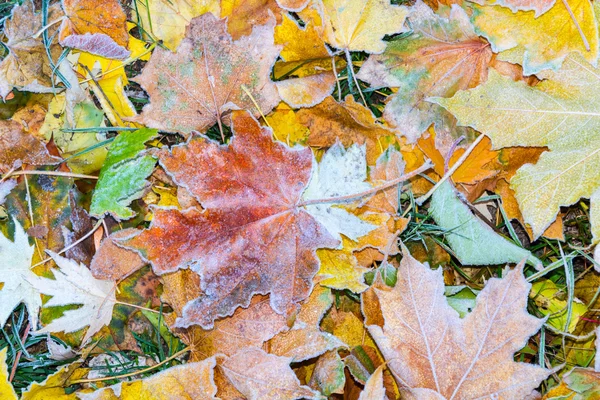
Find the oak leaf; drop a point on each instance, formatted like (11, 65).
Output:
(442, 56)
(525, 42)
(247, 188)
(430, 349)
(207, 77)
(27, 67)
(97, 28)
(262, 376)
(74, 284)
(558, 113)
(359, 25)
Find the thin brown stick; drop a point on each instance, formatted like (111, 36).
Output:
(51, 173)
(394, 182)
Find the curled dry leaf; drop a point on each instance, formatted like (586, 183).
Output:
(204, 80)
(98, 28)
(254, 185)
(427, 345)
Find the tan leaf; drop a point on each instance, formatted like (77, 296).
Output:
(16, 144)
(114, 262)
(195, 87)
(428, 346)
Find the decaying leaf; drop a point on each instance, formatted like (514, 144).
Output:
(16, 276)
(428, 346)
(208, 76)
(74, 284)
(558, 113)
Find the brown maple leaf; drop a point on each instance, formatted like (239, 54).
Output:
(208, 76)
(251, 237)
(431, 349)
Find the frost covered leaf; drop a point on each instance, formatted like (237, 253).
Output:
(73, 284)
(428, 346)
(561, 113)
(99, 28)
(347, 122)
(6, 390)
(360, 25)
(527, 36)
(243, 15)
(247, 327)
(167, 19)
(16, 144)
(251, 237)
(262, 376)
(579, 383)
(191, 381)
(442, 56)
(123, 175)
(468, 235)
(539, 6)
(16, 275)
(340, 269)
(341, 172)
(199, 84)
(27, 67)
(374, 389)
(328, 375)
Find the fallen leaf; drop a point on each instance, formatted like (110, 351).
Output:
(328, 376)
(112, 262)
(442, 56)
(16, 276)
(96, 28)
(293, 5)
(243, 15)
(286, 126)
(523, 38)
(27, 67)
(428, 346)
(167, 19)
(547, 297)
(190, 381)
(18, 145)
(262, 376)
(204, 80)
(349, 122)
(123, 175)
(579, 383)
(359, 25)
(74, 284)
(374, 389)
(6, 390)
(558, 113)
(467, 234)
(235, 250)
(340, 269)
(53, 387)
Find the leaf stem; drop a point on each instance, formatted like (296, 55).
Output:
(355, 196)
(585, 41)
(138, 307)
(142, 371)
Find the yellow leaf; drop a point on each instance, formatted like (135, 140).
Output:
(53, 387)
(527, 36)
(561, 113)
(167, 19)
(547, 296)
(243, 15)
(286, 126)
(6, 390)
(340, 269)
(360, 25)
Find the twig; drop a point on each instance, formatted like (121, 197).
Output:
(351, 70)
(394, 182)
(13, 371)
(51, 173)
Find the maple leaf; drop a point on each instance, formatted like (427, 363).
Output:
(348, 122)
(428, 347)
(6, 390)
(262, 376)
(98, 29)
(359, 25)
(523, 42)
(558, 113)
(16, 276)
(26, 67)
(234, 249)
(442, 56)
(204, 80)
(167, 19)
(74, 284)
